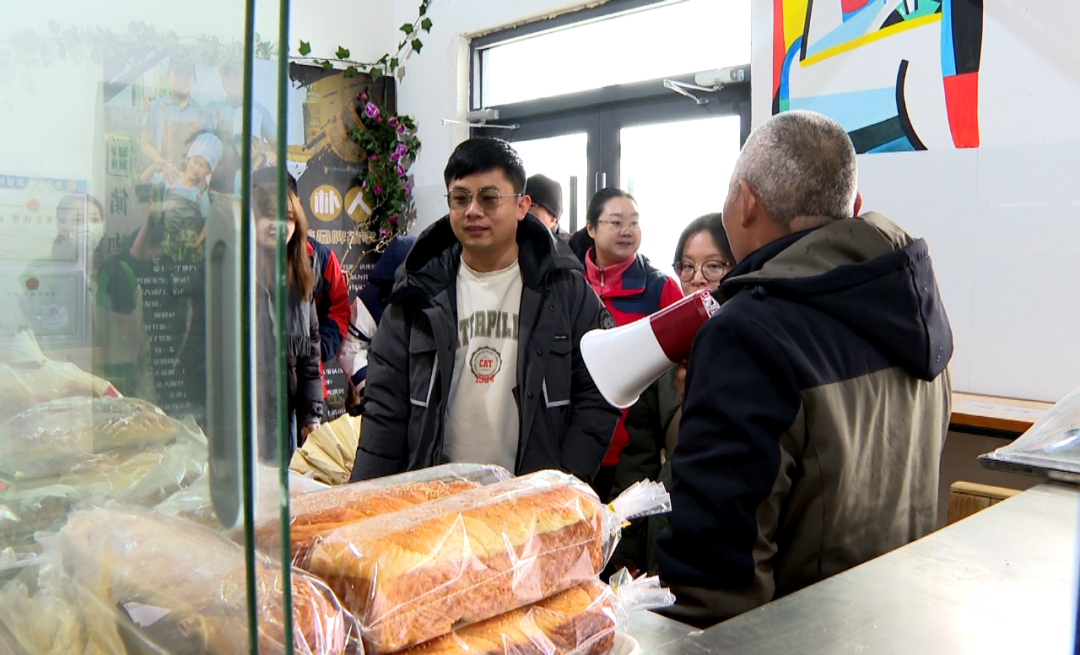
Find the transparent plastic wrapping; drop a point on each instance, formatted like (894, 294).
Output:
(183, 588)
(43, 614)
(80, 434)
(417, 574)
(329, 452)
(138, 476)
(579, 621)
(28, 377)
(1050, 448)
(314, 515)
(194, 503)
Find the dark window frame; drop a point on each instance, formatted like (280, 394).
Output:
(600, 113)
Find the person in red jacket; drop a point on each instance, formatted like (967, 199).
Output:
(629, 286)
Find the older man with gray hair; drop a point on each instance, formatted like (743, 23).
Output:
(817, 399)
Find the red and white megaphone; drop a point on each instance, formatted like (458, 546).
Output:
(624, 361)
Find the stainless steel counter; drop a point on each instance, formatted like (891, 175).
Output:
(654, 632)
(1001, 581)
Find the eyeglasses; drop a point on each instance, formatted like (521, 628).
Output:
(488, 199)
(619, 226)
(711, 271)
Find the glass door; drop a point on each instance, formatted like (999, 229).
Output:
(144, 316)
(674, 179)
(565, 159)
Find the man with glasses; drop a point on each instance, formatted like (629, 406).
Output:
(817, 399)
(477, 358)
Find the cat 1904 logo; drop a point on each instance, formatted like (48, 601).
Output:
(485, 363)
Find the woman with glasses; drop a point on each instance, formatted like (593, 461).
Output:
(629, 286)
(702, 258)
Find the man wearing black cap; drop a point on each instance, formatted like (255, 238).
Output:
(546, 196)
(172, 120)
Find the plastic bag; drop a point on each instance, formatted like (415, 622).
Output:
(44, 615)
(316, 514)
(579, 621)
(328, 452)
(79, 434)
(1051, 447)
(416, 574)
(143, 477)
(28, 377)
(183, 588)
(194, 503)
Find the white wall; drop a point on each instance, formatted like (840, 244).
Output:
(436, 84)
(365, 27)
(1003, 220)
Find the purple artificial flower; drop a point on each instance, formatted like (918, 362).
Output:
(371, 111)
(401, 151)
(373, 157)
(378, 120)
(363, 96)
(378, 190)
(401, 129)
(385, 232)
(400, 170)
(393, 121)
(363, 185)
(407, 187)
(392, 220)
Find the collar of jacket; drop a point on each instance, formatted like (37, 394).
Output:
(869, 275)
(624, 278)
(433, 262)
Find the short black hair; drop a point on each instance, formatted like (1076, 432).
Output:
(483, 154)
(600, 199)
(711, 223)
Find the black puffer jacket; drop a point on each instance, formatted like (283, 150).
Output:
(566, 423)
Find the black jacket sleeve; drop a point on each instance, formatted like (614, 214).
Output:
(383, 447)
(309, 389)
(592, 419)
(741, 395)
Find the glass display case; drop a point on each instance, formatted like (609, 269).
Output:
(143, 422)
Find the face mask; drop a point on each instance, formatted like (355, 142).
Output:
(95, 232)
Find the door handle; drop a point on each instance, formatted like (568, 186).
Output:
(224, 306)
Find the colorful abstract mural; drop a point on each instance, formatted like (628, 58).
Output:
(899, 75)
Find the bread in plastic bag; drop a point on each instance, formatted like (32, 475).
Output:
(417, 574)
(79, 434)
(141, 477)
(195, 504)
(28, 377)
(44, 615)
(185, 586)
(579, 621)
(316, 514)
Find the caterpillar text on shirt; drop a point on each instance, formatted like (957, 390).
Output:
(482, 421)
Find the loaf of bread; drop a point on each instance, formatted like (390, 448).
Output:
(578, 621)
(419, 573)
(319, 513)
(141, 477)
(73, 435)
(184, 588)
